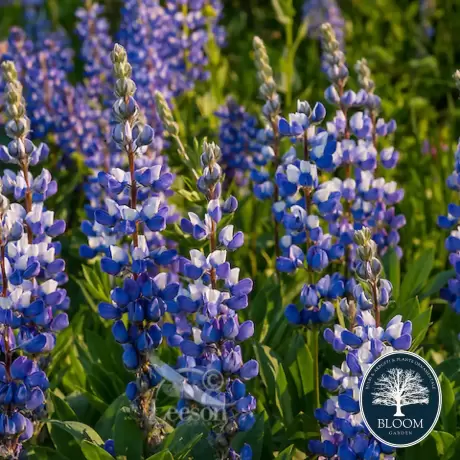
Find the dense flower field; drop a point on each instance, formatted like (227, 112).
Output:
(216, 215)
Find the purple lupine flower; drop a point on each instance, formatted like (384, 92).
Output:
(166, 46)
(344, 434)
(367, 199)
(190, 25)
(33, 301)
(427, 9)
(135, 208)
(317, 12)
(42, 69)
(238, 140)
(451, 293)
(210, 303)
(108, 181)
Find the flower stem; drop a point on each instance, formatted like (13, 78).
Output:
(28, 198)
(315, 344)
(276, 148)
(212, 245)
(375, 301)
(133, 193)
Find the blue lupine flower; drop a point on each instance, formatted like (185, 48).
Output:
(451, 293)
(238, 140)
(43, 67)
(32, 300)
(135, 208)
(210, 304)
(344, 434)
(317, 12)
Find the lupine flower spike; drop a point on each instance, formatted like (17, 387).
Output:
(135, 208)
(344, 435)
(264, 185)
(208, 310)
(452, 220)
(32, 300)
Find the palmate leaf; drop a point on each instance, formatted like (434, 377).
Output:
(128, 438)
(300, 371)
(417, 275)
(61, 408)
(78, 430)
(67, 437)
(104, 425)
(189, 437)
(286, 454)
(275, 381)
(434, 284)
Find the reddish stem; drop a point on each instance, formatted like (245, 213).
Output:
(133, 193)
(28, 199)
(376, 303)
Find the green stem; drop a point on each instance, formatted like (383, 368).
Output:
(289, 63)
(314, 347)
(339, 313)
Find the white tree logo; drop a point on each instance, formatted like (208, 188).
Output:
(399, 387)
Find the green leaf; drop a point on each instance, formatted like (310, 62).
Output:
(438, 445)
(79, 431)
(163, 455)
(274, 378)
(444, 442)
(300, 367)
(127, 436)
(94, 452)
(449, 405)
(301, 34)
(435, 283)
(286, 454)
(105, 424)
(262, 305)
(451, 369)
(44, 453)
(417, 275)
(186, 438)
(62, 410)
(253, 437)
(420, 326)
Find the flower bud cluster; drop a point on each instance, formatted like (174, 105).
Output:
(267, 90)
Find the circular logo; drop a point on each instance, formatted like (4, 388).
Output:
(400, 399)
